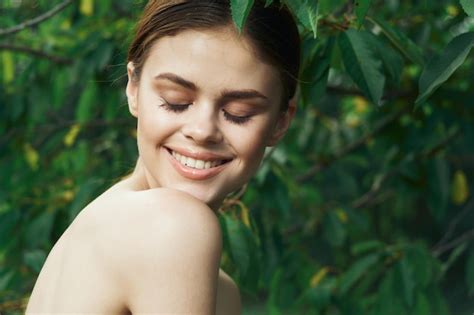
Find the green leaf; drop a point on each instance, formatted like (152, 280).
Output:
(334, 230)
(361, 9)
(59, 88)
(315, 72)
(243, 251)
(8, 224)
(407, 282)
(39, 230)
(5, 279)
(470, 273)
(367, 246)
(421, 261)
(387, 295)
(35, 259)
(468, 6)
(362, 64)
(329, 6)
(102, 55)
(440, 68)
(422, 306)
(87, 102)
(356, 271)
(307, 12)
(405, 45)
(439, 176)
(392, 60)
(240, 10)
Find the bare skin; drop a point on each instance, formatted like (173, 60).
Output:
(151, 243)
(78, 277)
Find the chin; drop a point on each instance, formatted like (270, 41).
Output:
(205, 196)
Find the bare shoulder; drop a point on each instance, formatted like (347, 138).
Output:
(165, 245)
(228, 296)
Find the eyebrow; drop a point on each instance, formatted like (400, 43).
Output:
(177, 79)
(225, 94)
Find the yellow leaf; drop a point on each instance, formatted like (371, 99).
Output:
(361, 104)
(68, 195)
(8, 67)
(244, 214)
(87, 7)
(31, 156)
(71, 136)
(318, 276)
(459, 188)
(452, 10)
(352, 120)
(342, 215)
(65, 25)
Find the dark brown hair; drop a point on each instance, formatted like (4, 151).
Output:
(271, 30)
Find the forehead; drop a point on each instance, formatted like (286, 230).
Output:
(213, 60)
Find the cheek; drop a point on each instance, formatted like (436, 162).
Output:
(153, 124)
(251, 142)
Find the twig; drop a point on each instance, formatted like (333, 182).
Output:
(466, 236)
(379, 126)
(453, 224)
(334, 25)
(388, 96)
(56, 127)
(53, 128)
(440, 145)
(377, 184)
(35, 52)
(36, 20)
(370, 195)
(14, 305)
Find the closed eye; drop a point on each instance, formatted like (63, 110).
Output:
(176, 108)
(238, 120)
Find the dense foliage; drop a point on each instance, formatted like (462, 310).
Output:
(365, 208)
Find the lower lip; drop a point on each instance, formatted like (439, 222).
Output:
(194, 173)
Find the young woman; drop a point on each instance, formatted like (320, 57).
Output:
(208, 101)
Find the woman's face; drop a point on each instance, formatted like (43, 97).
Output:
(206, 110)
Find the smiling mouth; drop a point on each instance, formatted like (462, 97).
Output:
(195, 163)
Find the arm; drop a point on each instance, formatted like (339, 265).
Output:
(228, 301)
(170, 260)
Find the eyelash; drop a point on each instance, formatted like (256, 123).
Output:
(179, 108)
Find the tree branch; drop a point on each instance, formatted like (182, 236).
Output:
(367, 198)
(439, 248)
(388, 96)
(379, 126)
(37, 53)
(443, 245)
(37, 20)
(465, 237)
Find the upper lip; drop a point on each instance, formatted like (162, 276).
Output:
(200, 155)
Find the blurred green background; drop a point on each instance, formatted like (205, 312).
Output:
(365, 208)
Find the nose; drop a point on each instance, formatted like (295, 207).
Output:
(203, 127)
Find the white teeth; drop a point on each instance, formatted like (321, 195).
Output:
(198, 164)
(191, 162)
